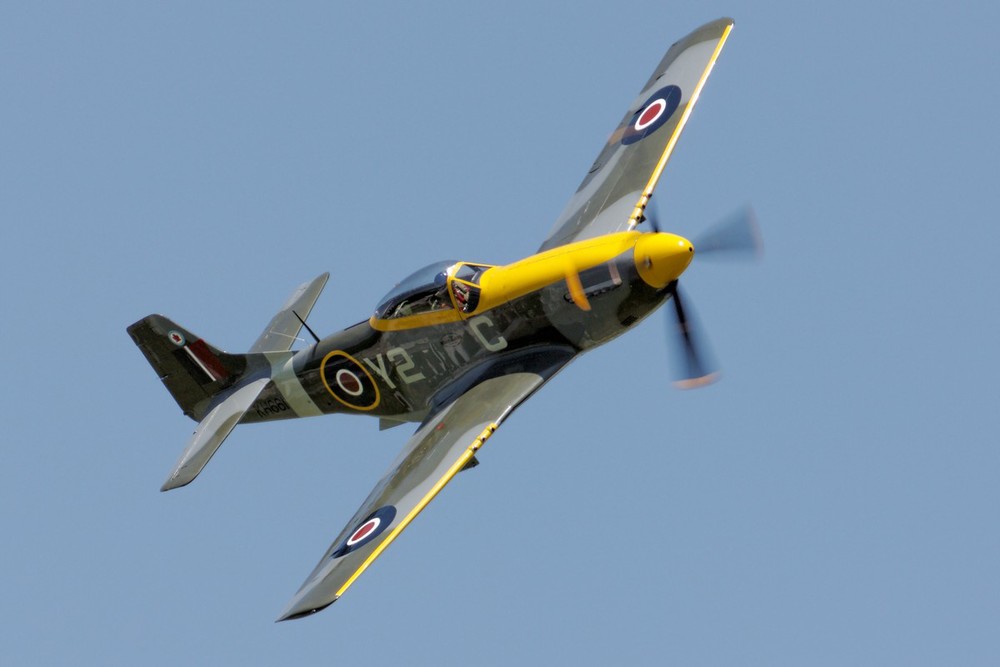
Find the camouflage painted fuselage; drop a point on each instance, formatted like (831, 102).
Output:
(401, 374)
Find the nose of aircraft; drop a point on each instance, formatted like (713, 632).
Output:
(662, 258)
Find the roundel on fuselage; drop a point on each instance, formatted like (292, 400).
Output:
(348, 381)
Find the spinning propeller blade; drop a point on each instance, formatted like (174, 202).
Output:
(736, 235)
(651, 214)
(695, 365)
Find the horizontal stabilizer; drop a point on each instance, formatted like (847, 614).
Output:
(279, 336)
(211, 432)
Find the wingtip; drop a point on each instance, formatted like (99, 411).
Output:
(292, 613)
(175, 481)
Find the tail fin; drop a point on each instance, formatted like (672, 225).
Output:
(192, 370)
(214, 388)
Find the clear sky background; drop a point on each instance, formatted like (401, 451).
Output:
(833, 500)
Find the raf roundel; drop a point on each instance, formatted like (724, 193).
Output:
(652, 115)
(364, 530)
(349, 382)
(373, 526)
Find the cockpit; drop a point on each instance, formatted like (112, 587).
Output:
(446, 285)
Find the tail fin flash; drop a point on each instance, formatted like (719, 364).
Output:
(192, 370)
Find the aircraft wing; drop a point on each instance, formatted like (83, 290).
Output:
(444, 445)
(618, 186)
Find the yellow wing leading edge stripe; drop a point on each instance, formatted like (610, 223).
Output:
(640, 207)
(462, 461)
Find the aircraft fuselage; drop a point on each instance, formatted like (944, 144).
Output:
(397, 369)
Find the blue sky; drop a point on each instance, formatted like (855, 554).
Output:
(831, 501)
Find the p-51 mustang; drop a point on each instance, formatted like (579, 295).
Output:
(457, 346)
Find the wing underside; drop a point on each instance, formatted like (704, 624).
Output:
(618, 186)
(443, 446)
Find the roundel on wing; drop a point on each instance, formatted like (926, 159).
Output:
(348, 381)
(651, 116)
(366, 531)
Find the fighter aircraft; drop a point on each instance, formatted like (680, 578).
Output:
(457, 346)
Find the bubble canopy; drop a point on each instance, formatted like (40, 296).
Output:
(423, 291)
